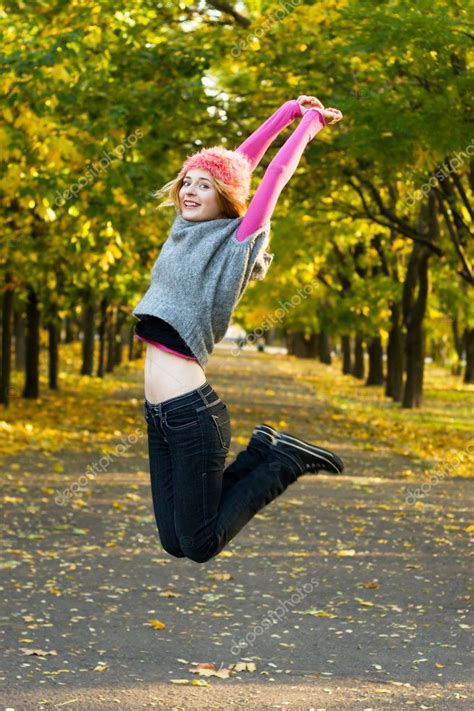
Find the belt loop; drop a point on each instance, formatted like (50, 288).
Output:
(156, 409)
(201, 394)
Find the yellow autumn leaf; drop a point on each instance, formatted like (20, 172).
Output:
(37, 652)
(243, 666)
(100, 667)
(133, 497)
(220, 576)
(365, 603)
(156, 624)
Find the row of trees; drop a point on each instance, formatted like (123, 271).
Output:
(107, 337)
(374, 229)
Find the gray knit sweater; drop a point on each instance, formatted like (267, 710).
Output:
(199, 277)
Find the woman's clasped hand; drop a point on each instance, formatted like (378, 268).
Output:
(331, 114)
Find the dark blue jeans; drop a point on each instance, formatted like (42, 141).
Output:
(200, 504)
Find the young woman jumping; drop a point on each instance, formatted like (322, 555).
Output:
(214, 248)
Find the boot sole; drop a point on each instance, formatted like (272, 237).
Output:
(325, 454)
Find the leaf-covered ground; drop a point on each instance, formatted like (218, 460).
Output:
(344, 593)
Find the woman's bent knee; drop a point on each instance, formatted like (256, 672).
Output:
(172, 549)
(175, 552)
(199, 554)
(199, 557)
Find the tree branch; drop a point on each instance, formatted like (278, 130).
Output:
(394, 221)
(226, 7)
(466, 273)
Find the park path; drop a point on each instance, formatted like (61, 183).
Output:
(367, 592)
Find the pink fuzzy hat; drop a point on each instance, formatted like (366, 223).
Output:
(232, 167)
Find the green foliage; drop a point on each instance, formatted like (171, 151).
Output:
(108, 102)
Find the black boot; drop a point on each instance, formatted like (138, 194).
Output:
(312, 458)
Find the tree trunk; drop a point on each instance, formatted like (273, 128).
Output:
(313, 346)
(324, 348)
(53, 333)
(31, 387)
(375, 375)
(300, 345)
(414, 314)
(358, 370)
(119, 337)
(457, 340)
(131, 342)
(346, 355)
(102, 333)
(469, 341)
(7, 313)
(69, 332)
(395, 356)
(415, 355)
(88, 335)
(111, 325)
(19, 326)
(414, 308)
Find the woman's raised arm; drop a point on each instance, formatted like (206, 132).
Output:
(256, 144)
(279, 172)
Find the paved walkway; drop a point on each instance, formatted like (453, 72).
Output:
(341, 593)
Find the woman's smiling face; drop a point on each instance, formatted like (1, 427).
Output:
(198, 197)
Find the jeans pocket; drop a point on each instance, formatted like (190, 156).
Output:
(181, 418)
(222, 424)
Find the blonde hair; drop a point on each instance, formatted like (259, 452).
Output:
(229, 205)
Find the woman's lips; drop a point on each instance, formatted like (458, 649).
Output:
(191, 207)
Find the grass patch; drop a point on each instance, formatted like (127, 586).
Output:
(438, 432)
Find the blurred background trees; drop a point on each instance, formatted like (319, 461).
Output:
(372, 236)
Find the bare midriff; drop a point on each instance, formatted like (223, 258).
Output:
(168, 375)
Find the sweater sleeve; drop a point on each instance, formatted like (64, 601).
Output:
(256, 144)
(278, 174)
